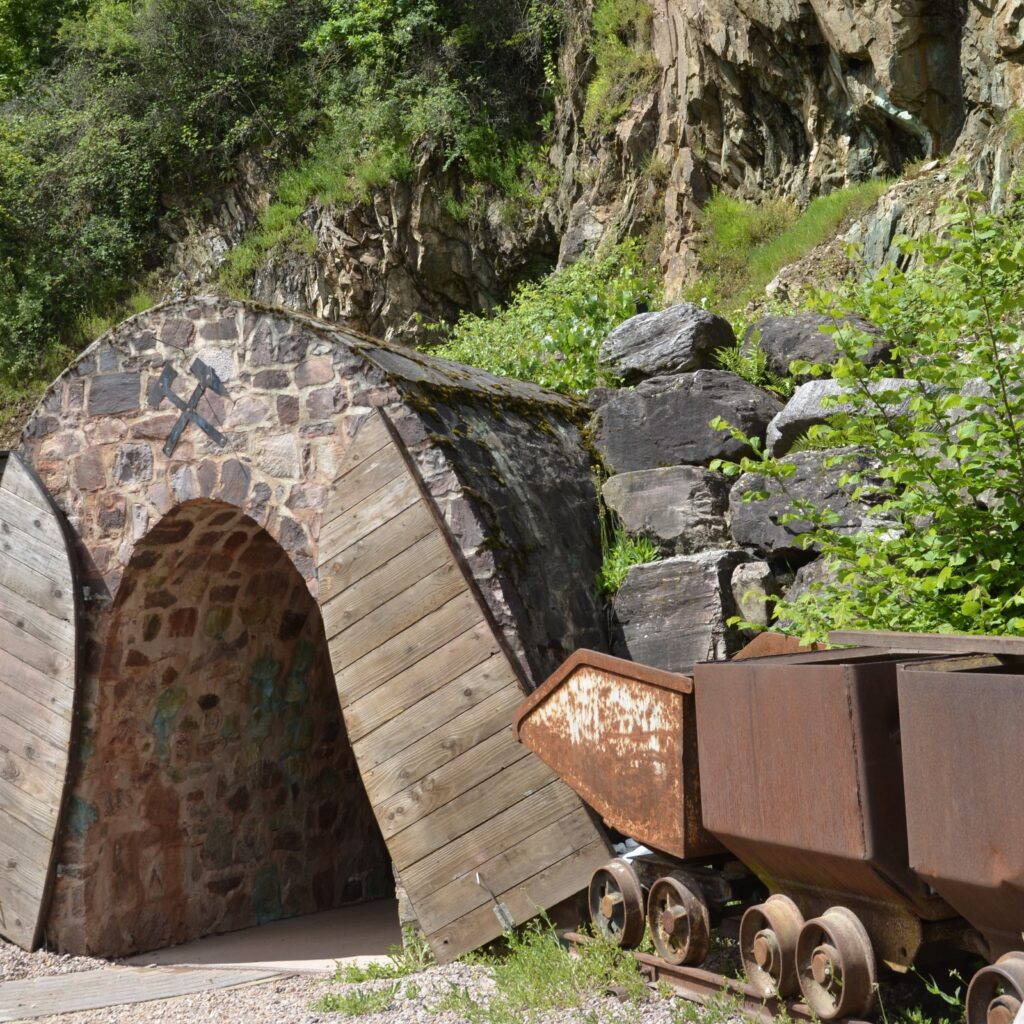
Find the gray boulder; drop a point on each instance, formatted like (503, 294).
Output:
(785, 338)
(812, 403)
(673, 614)
(681, 508)
(665, 421)
(757, 524)
(674, 340)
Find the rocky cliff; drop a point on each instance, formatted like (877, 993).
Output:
(757, 98)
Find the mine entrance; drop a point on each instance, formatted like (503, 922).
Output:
(229, 795)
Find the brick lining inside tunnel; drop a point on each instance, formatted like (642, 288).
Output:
(227, 794)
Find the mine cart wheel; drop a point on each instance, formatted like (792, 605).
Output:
(996, 992)
(616, 902)
(679, 921)
(835, 965)
(768, 936)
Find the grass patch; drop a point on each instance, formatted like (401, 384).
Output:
(93, 325)
(551, 330)
(621, 553)
(538, 975)
(411, 957)
(626, 64)
(747, 244)
(359, 1003)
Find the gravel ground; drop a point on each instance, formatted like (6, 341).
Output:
(16, 964)
(291, 1000)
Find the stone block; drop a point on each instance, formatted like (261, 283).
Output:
(666, 421)
(758, 524)
(785, 338)
(674, 340)
(681, 508)
(114, 392)
(813, 403)
(133, 463)
(673, 614)
(753, 583)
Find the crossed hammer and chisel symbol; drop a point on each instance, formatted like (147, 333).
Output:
(207, 378)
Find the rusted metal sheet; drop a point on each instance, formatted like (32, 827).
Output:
(931, 643)
(623, 736)
(800, 757)
(961, 723)
(769, 645)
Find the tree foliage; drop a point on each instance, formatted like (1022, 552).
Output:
(946, 438)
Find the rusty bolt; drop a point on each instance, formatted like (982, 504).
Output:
(823, 964)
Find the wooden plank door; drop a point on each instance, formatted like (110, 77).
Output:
(38, 666)
(482, 833)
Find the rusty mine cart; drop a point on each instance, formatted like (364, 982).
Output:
(852, 803)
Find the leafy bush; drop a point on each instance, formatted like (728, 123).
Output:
(947, 440)
(551, 330)
(625, 63)
(621, 553)
(747, 244)
(749, 361)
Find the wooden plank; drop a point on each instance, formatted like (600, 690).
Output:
(432, 744)
(364, 518)
(408, 647)
(448, 781)
(56, 630)
(522, 902)
(370, 437)
(27, 649)
(478, 845)
(35, 587)
(930, 643)
(361, 480)
(472, 808)
(48, 723)
(27, 515)
(384, 584)
(32, 811)
(118, 986)
(25, 549)
(37, 679)
(396, 615)
(471, 661)
(375, 549)
(549, 845)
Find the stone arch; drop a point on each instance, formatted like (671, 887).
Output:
(226, 794)
(205, 403)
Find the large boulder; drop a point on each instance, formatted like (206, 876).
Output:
(800, 336)
(673, 614)
(814, 402)
(681, 508)
(674, 340)
(666, 421)
(753, 586)
(758, 525)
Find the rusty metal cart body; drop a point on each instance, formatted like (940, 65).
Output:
(802, 781)
(964, 770)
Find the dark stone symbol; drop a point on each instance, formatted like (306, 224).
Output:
(207, 378)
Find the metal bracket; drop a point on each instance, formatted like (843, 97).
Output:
(208, 379)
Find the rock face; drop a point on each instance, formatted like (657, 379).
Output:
(682, 508)
(757, 525)
(672, 614)
(785, 338)
(752, 584)
(674, 340)
(666, 421)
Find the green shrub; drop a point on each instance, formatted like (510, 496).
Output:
(358, 1003)
(749, 361)
(621, 553)
(747, 244)
(947, 442)
(551, 330)
(625, 63)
